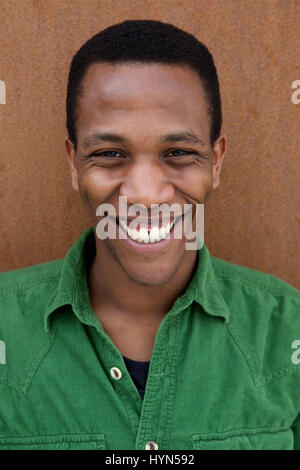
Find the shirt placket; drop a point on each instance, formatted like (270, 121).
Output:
(157, 411)
(150, 418)
(117, 373)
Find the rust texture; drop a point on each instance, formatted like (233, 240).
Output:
(253, 217)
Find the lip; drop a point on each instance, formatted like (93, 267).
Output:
(148, 247)
(147, 223)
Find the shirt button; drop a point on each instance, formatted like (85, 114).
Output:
(151, 445)
(115, 373)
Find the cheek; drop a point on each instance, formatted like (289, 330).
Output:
(198, 185)
(97, 186)
(94, 188)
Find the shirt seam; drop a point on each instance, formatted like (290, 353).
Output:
(275, 375)
(172, 389)
(35, 363)
(122, 395)
(148, 404)
(241, 431)
(225, 315)
(83, 437)
(20, 288)
(263, 286)
(278, 374)
(43, 354)
(244, 353)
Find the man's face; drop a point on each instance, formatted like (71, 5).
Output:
(141, 104)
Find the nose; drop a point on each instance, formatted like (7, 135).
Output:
(147, 183)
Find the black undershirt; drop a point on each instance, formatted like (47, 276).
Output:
(139, 372)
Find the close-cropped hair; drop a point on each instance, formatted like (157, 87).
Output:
(144, 41)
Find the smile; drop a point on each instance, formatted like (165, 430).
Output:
(144, 235)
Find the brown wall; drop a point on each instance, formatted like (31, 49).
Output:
(252, 219)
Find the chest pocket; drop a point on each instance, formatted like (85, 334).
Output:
(58, 442)
(246, 439)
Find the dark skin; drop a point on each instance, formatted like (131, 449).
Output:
(131, 292)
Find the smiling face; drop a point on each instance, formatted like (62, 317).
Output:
(143, 132)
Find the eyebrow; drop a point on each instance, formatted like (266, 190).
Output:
(99, 137)
(181, 136)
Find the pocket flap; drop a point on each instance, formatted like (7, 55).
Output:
(246, 439)
(58, 442)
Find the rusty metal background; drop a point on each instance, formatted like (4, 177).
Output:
(253, 217)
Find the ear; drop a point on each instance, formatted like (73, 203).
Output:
(219, 150)
(71, 160)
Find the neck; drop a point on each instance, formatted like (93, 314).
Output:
(110, 287)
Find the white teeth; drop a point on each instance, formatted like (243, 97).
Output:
(154, 235)
(132, 233)
(163, 233)
(145, 236)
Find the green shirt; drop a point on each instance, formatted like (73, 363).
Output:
(224, 373)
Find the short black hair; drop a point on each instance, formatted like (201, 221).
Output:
(146, 41)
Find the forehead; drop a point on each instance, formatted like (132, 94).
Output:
(153, 94)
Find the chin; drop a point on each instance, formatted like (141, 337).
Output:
(152, 279)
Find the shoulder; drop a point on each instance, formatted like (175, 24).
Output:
(24, 295)
(238, 275)
(25, 292)
(264, 318)
(30, 276)
(259, 291)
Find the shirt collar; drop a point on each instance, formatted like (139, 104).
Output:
(72, 287)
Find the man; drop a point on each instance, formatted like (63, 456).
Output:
(138, 342)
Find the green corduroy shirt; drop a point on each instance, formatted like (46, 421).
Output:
(224, 373)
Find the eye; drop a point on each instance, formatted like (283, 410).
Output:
(184, 157)
(180, 152)
(181, 157)
(108, 153)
